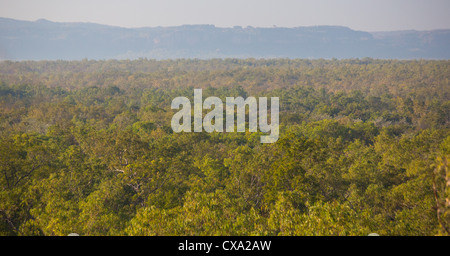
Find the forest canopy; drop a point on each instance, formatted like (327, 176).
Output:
(87, 147)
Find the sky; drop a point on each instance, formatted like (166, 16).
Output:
(365, 15)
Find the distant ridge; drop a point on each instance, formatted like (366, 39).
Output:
(43, 39)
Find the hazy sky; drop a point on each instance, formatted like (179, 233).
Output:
(373, 15)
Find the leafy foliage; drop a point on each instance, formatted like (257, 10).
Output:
(87, 147)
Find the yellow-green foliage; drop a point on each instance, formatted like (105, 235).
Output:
(86, 147)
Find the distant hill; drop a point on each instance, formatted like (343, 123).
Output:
(43, 39)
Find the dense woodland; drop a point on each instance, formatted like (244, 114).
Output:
(87, 147)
